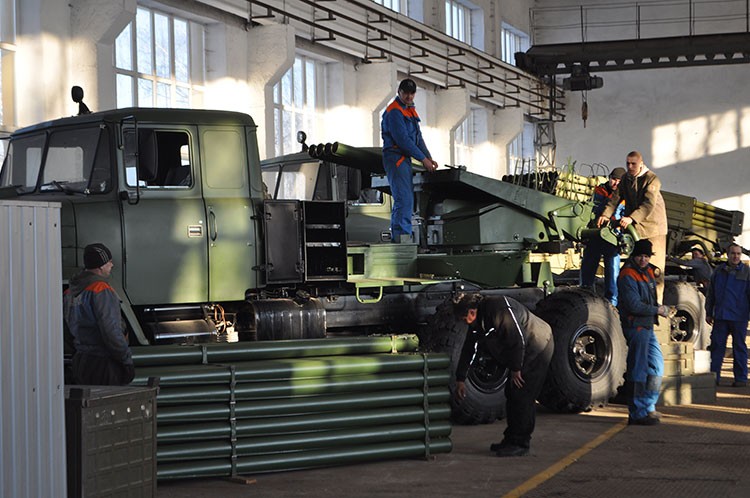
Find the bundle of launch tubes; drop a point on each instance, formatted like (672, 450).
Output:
(267, 406)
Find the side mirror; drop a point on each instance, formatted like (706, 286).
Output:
(76, 93)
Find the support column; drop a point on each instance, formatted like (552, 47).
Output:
(451, 108)
(376, 86)
(506, 125)
(94, 26)
(270, 53)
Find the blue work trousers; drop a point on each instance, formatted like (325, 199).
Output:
(596, 249)
(401, 180)
(645, 370)
(719, 334)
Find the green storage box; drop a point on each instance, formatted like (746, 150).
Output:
(111, 441)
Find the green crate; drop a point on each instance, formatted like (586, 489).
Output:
(111, 441)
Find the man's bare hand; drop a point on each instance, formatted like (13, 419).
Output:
(625, 222)
(517, 379)
(429, 164)
(460, 390)
(601, 221)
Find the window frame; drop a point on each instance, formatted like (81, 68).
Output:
(132, 70)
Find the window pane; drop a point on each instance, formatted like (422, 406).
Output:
(182, 96)
(297, 80)
(181, 51)
(163, 95)
(145, 93)
(123, 49)
(277, 134)
(286, 89)
(310, 85)
(162, 51)
(143, 42)
(124, 91)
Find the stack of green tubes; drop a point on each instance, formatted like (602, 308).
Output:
(244, 408)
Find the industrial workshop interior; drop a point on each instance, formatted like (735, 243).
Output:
(404, 248)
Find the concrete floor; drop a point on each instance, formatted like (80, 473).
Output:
(697, 451)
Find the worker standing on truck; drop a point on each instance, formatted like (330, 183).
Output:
(92, 313)
(402, 141)
(728, 311)
(638, 308)
(640, 188)
(598, 248)
(517, 340)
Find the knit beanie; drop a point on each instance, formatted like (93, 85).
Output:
(96, 256)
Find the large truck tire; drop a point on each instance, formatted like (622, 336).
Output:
(690, 325)
(590, 355)
(485, 381)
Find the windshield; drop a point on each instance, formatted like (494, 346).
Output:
(71, 161)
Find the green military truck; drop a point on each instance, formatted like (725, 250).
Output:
(210, 245)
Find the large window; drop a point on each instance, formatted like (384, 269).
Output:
(512, 41)
(464, 21)
(521, 152)
(154, 61)
(471, 132)
(295, 100)
(394, 5)
(458, 21)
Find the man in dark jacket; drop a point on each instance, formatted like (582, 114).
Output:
(638, 309)
(597, 248)
(402, 141)
(518, 340)
(728, 310)
(92, 313)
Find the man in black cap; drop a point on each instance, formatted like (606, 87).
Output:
(517, 340)
(402, 141)
(638, 313)
(92, 313)
(597, 248)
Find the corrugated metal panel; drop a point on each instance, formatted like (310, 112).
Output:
(32, 397)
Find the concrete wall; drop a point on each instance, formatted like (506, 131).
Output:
(692, 126)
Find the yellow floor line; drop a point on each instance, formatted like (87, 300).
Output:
(557, 467)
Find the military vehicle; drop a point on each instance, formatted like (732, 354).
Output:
(210, 246)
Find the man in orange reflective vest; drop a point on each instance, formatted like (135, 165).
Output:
(402, 141)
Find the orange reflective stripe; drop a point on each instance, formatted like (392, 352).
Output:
(401, 159)
(409, 112)
(98, 286)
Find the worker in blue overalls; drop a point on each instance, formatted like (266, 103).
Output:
(402, 141)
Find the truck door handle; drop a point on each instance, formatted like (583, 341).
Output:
(213, 229)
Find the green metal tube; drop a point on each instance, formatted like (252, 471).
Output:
(301, 423)
(297, 442)
(302, 387)
(265, 350)
(303, 459)
(293, 406)
(292, 368)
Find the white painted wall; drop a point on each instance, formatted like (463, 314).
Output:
(691, 124)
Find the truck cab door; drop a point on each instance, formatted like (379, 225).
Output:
(163, 216)
(231, 179)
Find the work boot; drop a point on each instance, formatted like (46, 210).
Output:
(739, 383)
(498, 446)
(655, 414)
(647, 420)
(512, 450)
